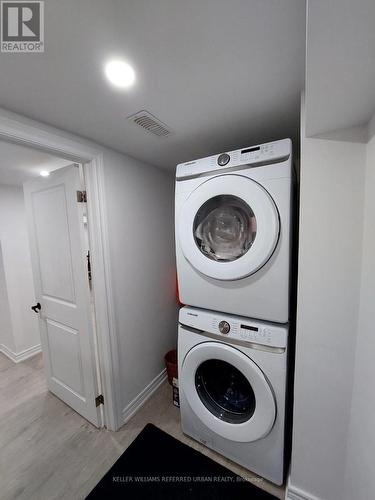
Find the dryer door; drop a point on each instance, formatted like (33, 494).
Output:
(228, 227)
(228, 392)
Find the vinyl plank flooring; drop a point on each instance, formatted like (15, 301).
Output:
(49, 452)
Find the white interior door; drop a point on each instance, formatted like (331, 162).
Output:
(58, 249)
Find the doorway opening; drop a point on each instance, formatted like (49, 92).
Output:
(47, 297)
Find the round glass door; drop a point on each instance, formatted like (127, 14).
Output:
(228, 227)
(227, 391)
(224, 391)
(224, 228)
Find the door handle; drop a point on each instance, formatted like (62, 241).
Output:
(37, 307)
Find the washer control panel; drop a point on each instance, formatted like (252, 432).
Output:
(235, 327)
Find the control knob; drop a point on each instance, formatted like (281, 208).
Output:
(223, 159)
(224, 327)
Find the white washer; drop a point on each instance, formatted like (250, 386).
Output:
(232, 378)
(233, 231)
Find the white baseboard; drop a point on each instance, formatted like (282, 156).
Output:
(143, 396)
(17, 357)
(294, 493)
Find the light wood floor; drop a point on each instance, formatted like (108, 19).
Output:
(48, 452)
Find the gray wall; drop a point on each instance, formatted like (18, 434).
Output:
(140, 201)
(6, 330)
(17, 272)
(331, 224)
(360, 477)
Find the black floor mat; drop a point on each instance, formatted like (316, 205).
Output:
(158, 466)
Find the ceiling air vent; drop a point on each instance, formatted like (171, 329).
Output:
(150, 123)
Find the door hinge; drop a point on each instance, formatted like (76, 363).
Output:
(99, 400)
(81, 197)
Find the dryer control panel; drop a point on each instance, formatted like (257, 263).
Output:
(260, 154)
(235, 327)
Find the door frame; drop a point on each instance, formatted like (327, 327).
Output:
(25, 132)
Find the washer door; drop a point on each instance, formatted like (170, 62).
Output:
(228, 392)
(229, 227)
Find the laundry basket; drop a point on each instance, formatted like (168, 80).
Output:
(171, 365)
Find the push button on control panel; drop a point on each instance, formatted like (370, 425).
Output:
(224, 327)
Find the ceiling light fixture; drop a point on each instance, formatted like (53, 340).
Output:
(44, 173)
(119, 73)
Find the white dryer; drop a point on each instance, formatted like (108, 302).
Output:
(233, 231)
(232, 378)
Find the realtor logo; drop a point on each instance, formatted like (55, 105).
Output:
(22, 26)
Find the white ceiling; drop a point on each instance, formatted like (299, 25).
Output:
(340, 68)
(221, 74)
(19, 164)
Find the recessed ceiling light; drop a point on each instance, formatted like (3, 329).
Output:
(119, 73)
(44, 173)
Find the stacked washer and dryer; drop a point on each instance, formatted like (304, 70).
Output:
(233, 248)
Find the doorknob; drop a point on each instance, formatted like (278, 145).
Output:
(37, 307)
